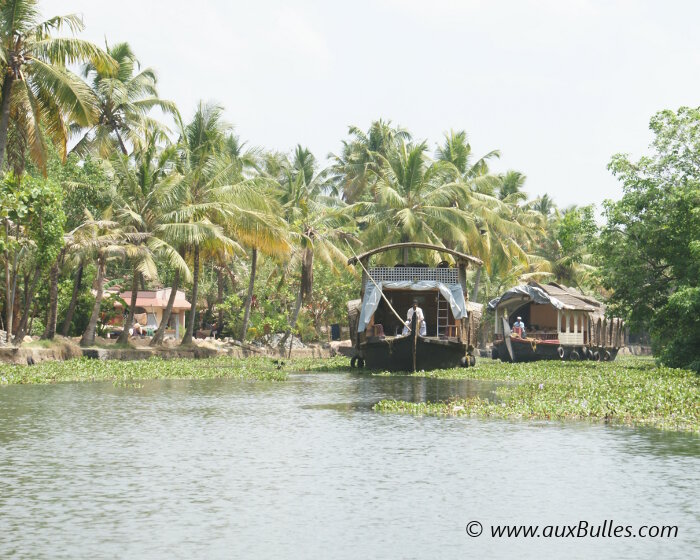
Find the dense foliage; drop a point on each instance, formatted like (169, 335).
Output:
(650, 246)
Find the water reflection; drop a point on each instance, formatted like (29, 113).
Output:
(365, 391)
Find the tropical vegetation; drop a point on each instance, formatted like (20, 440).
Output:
(99, 197)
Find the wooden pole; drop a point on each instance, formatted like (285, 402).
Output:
(364, 270)
(414, 328)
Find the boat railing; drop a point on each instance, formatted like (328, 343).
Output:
(414, 274)
(543, 335)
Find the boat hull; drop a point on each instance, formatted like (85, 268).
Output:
(528, 350)
(396, 354)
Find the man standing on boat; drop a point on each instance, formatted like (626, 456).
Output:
(520, 325)
(420, 319)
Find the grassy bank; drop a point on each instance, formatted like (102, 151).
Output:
(632, 391)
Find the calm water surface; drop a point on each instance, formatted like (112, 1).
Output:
(305, 469)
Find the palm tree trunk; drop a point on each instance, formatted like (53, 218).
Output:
(9, 304)
(65, 328)
(124, 336)
(475, 291)
(160, 333)
(121, 142)
(293, 320)
(220, 281)
(29, 296)
(88, 338)
(10, 282)
(5, 113)
(305, 289)
(251, 286)
(50, 329)
(187, 339)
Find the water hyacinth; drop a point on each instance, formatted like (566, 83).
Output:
(125, 373)
(630, 391)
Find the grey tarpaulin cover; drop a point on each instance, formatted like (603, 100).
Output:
(452, 293)
(537, 295)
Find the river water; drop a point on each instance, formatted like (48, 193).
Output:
(305, 469)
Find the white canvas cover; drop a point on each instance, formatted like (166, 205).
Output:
(452, 293)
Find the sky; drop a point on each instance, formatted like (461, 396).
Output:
(557, 86)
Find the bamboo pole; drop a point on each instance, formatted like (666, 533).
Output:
(378, 288)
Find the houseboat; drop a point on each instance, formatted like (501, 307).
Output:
(383, 337)
(560, 323)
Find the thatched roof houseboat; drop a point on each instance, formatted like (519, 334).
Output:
(382, 336)
(560, 323)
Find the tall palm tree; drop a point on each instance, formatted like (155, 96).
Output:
(218, 208)
(123, 94)
(360, 157)
(544, 205)
(267, 236)
(457, 150)
(511, 185)
(38, 90)
(317, 222)
(99, 239)
(146, 190)
(416, 200)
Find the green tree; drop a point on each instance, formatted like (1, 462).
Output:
(650, 246)
(99, 239)
(218, 209)
(416, 200)
(457, 150)
(511, 185)
(38, 92)
(146, 191)
(569, 245)
(317, 223)
(355, 168)
(39, 235)
(123, 94)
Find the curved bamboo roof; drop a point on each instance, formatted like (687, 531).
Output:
(456, 254)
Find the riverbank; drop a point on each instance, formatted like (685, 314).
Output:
(628, 391)
(124, 372)
(62, 348)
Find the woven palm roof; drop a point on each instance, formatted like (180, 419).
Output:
(570, 297)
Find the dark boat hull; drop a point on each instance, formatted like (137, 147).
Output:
(531, 351)
(396, 354)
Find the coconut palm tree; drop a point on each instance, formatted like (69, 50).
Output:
(218, 208)
(416, 200)
(544, 205)
(457, 150)
(269, 238)
(124, 94)
(38, 91)
(99, 239)
(510, 187)
(360, 156)
(147, 187)
(317, 222)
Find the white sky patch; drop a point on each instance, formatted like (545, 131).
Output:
(558, 86)
(293, 33)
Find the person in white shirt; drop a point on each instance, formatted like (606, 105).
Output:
(520, 326)
(420, 318)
